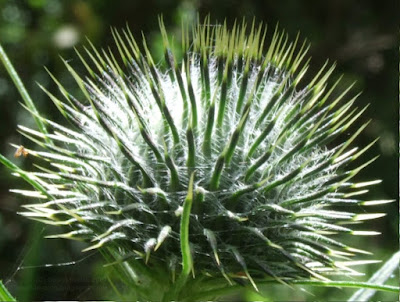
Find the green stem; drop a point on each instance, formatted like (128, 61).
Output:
(187, 261)
(24, 94)
(220, 292)
(351, 284)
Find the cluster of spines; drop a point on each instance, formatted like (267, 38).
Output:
(230, 51)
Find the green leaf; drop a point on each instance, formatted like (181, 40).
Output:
(5, 294)
(379, 278)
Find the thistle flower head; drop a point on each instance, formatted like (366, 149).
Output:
(215, 166)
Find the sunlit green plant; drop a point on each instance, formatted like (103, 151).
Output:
(210, 171)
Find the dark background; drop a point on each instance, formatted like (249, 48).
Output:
(360, 36)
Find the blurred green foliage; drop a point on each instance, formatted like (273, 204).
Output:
(360, 36)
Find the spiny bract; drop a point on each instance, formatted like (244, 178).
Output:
(216, 165)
